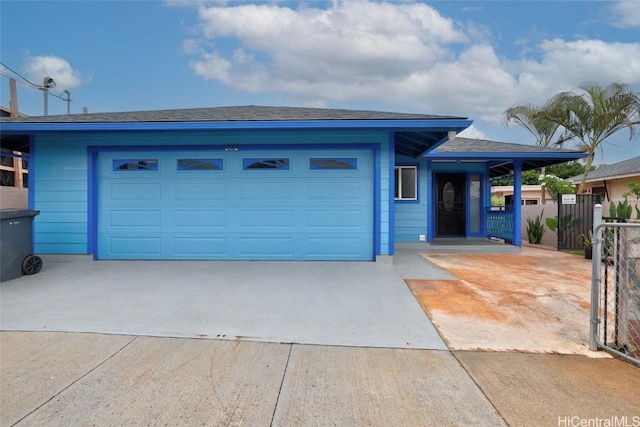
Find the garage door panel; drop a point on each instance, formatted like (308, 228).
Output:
(135, 191)
(335, 218)
(198, 191)
(268, 247)
(135, 219)
(333, 247)
(342, 190)
(134, 247)
(205, 219)
(266, 218)
(200, 246)
(256, 190)
(232, 213)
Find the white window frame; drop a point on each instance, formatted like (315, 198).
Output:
(399, 183)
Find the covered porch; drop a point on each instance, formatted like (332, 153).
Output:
(454, 192)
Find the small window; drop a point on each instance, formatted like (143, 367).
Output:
(268, 163)
(6, 160)
(333, 163)
(406, 183)
(7, 178)
(199, 164)
(136, 165)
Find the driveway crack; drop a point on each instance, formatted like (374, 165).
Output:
(284, 374)
(77, 380)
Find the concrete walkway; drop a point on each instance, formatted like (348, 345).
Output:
(63, 379)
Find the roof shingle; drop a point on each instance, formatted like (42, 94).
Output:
(229, 114)
(620, 169)
(466, 145)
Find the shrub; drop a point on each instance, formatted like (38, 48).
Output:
(535, 229)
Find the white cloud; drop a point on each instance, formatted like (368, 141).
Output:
(473, 133)
(404, 54)
(353, 43)
(39, 67)
(567, 65)
(626, 13)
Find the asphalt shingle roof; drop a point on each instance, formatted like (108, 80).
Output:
(466, 145)
(624, 168)
(228, 114)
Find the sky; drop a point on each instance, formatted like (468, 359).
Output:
(462, 58)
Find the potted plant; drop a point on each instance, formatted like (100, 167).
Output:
(587, 243)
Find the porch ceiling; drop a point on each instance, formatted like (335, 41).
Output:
(506, 168)
(415, 143)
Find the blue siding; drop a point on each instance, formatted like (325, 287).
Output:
(61, 167)
(411, 216)
(59, 193)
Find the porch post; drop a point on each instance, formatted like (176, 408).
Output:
(517, 202)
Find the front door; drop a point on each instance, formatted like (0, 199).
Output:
(450, 204)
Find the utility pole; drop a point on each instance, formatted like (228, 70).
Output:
(13, 103)
(68, 101)
(46, 84)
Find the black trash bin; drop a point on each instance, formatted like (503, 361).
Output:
(16, 248)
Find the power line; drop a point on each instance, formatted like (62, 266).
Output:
(26, 82)
(19, 75)
(11, 76)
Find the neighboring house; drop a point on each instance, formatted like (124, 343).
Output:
(530, 194)
(251, 183)
(611, 181)
(14, 170)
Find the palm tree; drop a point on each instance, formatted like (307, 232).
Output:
(532, 118)
(594, 116)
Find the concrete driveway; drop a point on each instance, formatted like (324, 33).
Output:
(138, 373)
(328, 303)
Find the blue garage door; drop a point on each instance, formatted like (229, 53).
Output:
(263, 205)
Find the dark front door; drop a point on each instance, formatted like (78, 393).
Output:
(450, 204)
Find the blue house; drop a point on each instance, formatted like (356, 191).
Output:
(262, 183)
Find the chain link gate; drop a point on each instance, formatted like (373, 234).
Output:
(615, 288)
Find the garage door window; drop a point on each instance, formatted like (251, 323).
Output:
(265, 163)
(199, 164)
(320, 163)
(135, 165)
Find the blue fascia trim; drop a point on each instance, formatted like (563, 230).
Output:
(234, 147)
(17, 156)
(507, 156)
(392, 186)
(438, 124)
(431, 202)
(517, 203)
(31, 176)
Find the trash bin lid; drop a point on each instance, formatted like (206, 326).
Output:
(10, 213)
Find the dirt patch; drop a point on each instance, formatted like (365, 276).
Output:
(454, 297)
(534, 301)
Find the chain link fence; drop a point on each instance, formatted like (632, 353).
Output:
(615, 299)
